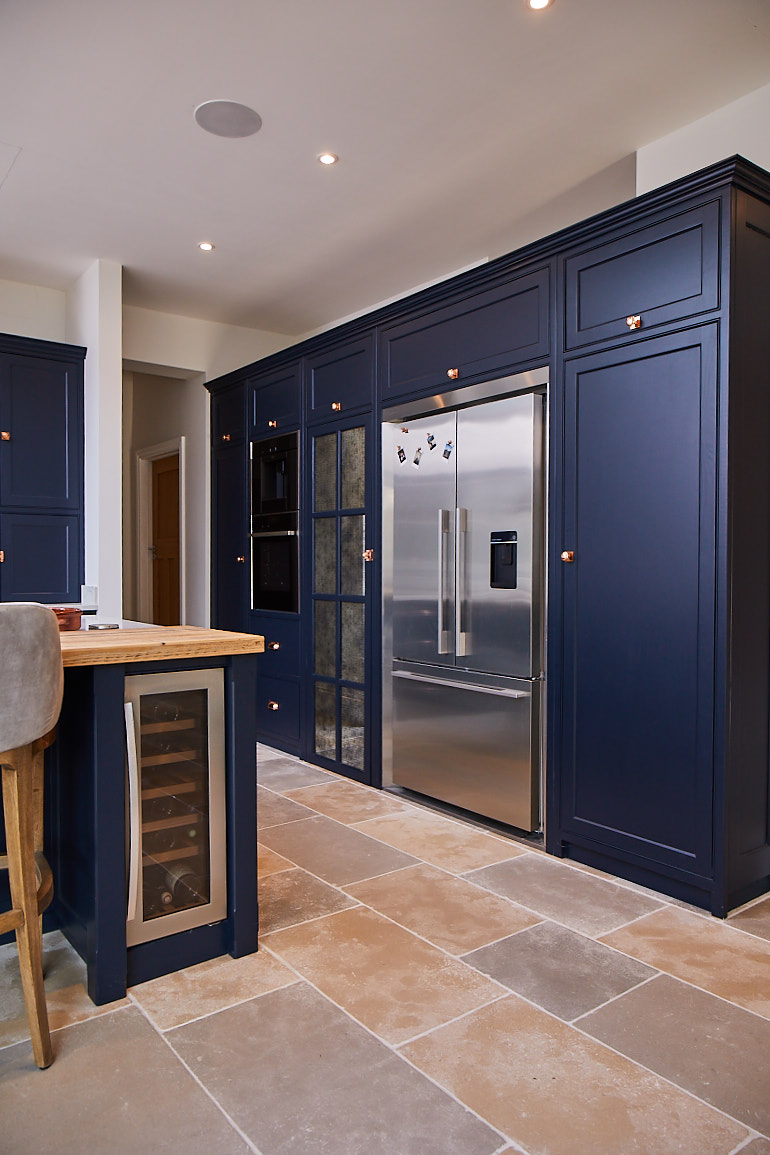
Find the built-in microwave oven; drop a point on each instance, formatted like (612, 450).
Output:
(275, 523)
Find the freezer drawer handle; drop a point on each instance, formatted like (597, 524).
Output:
(497, 691)
(443, 534)
(461, 528)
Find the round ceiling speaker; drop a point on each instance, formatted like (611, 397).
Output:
(227, 118)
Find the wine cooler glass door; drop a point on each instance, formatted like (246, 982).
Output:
(176, 793)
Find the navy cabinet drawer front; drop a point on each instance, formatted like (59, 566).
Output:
(658, 274)
(274, 403)
(281, 654)
(42, 557)
(278, 708)
(229, 418)
(340, 381)
(494, 330)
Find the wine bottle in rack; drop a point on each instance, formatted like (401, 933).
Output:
(185, 885)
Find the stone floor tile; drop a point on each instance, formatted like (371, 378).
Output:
(717, 1051)
(388, 979)
(268, 862)
(557, 1092)
(443, 842)
(275, 810)
(757, 1147)
(754, 919)
(704, 952)
(336, 853)
(448, 911)
(66, 991)
(299, 1078)
(347, 801)
(294, 896)
(114, 1086)
(580, 901)
(559, 970)
(208, 987)
(282, 773)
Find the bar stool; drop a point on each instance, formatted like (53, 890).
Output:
(31, 686)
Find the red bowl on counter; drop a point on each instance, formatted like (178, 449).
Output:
(67, 617)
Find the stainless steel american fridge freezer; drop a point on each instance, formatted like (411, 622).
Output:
(463, 534)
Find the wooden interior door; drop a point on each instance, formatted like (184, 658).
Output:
(165, 540)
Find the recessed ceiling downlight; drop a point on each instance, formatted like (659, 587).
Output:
(538, 4)
(227, 118)
(205, 246)
(327, 158)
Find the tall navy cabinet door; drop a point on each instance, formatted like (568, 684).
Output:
(41, 410)
(638, 602)
(230, 595)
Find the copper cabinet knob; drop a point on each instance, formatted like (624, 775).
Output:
(225, 436)
(453, 374)
(273, 645)
(271, 705)
(634, 321)
(241, 560)
(336, 406)
(272, 424)
(568, 555)
(368, 555)
(5, 435)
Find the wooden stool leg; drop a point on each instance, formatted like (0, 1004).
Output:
(18, 801)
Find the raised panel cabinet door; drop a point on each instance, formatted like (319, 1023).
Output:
(230, 595)
(41, 412)
(341, 380)
(41, 555)
(228, 417)
(274, 402)
(638, 600)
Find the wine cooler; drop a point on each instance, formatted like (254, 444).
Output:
(176, 802)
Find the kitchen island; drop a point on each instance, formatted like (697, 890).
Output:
(87, 801)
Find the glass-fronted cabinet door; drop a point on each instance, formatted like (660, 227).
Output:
(340, 597)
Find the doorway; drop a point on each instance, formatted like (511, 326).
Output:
(160, 538)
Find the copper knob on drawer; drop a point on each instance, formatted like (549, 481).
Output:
(272, 424)
(568, 555)
(225, 436)
(634, 322)
(453, 374)
(336, 406)
(241, 560)
(273, 645)
(5, 436)
(271, 705)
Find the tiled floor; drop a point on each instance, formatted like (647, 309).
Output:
(422, 988)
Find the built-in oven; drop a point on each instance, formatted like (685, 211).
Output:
(275, 523)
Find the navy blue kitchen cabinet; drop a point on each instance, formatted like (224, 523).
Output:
(274, 402)
(479, 335)
(41, 470)
(229, 498)
(279, 684)
(651, 319)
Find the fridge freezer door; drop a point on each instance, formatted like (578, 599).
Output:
(475, 746)
(499, 464)
(422, 466)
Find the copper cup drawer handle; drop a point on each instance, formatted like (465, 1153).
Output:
(273, 645)
(271, 705)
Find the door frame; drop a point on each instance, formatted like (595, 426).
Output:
(144, 460)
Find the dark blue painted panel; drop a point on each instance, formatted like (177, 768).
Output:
(41, 408)
(42, 557)
(274, 398)
(278, 708)
(340, 377)
(664, 272)
(228, 416)
(281, 636)
(230, 534)
(638, 599)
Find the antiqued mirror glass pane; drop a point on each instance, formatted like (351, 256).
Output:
(352, 575)
(353, 472)
(325, 553)
(325, 472)
(325, 722)
(352, 718)
(353, 641)
(325, 662)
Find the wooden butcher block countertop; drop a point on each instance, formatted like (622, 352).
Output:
(153, 644)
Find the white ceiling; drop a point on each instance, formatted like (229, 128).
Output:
(453, 119)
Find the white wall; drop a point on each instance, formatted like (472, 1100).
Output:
(741, 127)
(32, 311)
(93, 320)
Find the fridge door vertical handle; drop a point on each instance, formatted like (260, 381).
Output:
(443, 534)
(135, 814)
(461, 527)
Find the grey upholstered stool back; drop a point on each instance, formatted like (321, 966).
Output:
(31, 675)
